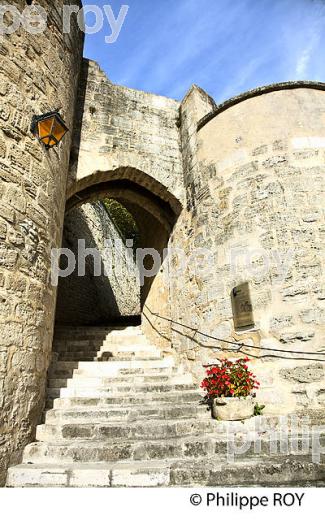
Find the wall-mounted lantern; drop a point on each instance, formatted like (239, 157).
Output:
(49, 129)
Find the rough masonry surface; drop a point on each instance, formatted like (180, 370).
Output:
(244, 181)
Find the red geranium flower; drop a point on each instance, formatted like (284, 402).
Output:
(229, 378)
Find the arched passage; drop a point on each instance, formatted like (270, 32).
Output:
(138, 181)
(154, 211)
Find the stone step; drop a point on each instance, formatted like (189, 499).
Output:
(109, 356)
(122, 389)
(126, 340)
(85, 414)
(65, 365)
(158, 429)
(57, 383)
(113, 367)
(120, 392)
(83, 411)
(114, 451)
(132, 348)
(126, 332)
(93, 332)
(62, 369)
(122, 354)
(80, 380)
(76, 344)
(90, 347)
(184, 447)
(89, 338)
(55, 401)
(78, 356)
(68, 335)
(95, 328)
(52, 393)
(55, 372)
(132, 372)
(124, 345)
(48, 406)
(103, 382)
(92, 380)
(290, 471)
(165, 426)
(138, 474)
(138, 399)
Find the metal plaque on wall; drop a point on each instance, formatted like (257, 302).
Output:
(242, 306)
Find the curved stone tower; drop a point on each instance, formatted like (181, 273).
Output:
(38, 73)
(256, 203)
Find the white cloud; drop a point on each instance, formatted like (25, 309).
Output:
(307, 54)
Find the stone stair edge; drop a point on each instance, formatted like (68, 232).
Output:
(171, 473)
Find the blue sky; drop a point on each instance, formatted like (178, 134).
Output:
(224, 46)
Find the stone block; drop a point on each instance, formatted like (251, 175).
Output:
(11, 334)
(304, 374)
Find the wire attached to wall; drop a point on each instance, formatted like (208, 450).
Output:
(239, 345)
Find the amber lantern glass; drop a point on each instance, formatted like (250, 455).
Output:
(49, 129)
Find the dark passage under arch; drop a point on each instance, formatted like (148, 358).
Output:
(94, 300)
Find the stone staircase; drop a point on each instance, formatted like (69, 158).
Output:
(120, 414)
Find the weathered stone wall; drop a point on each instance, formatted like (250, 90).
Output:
(119, 127)
(124, 134)
(163, 303)
(264, 165)
(251, 183)
(37, 73)
(92, 299)
(256, 201)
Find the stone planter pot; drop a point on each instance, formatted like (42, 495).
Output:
(233, 408)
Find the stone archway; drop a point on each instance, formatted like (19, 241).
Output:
(153, 208)
(137, 181)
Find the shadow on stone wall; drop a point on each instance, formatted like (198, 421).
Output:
(89, 299)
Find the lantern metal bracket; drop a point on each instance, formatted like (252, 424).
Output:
(38, 119)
